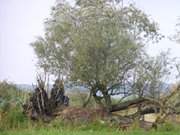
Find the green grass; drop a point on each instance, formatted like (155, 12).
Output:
(13, 122)
(97, 128)
(62, 131)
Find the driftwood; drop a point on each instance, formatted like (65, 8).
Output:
(148, 105)
(57, 98)
(39, 106)
(162, 105)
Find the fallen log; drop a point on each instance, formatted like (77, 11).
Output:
(150, 110)
(135, 103)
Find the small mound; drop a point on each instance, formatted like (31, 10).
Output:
(77, 114)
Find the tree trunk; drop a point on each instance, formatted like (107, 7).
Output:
(88, 99)
(125, 105)
(108, 102)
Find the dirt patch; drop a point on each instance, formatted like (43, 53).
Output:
(77, 114)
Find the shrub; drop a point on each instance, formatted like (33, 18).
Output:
(78, 98)
(167, 126)
(10, 106)
(13, 119)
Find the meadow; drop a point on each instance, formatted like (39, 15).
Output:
(14, 122)
(85, 130)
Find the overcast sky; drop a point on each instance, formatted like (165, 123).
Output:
(22, 21)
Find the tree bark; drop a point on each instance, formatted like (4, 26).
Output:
(88, 99)
(127, 104)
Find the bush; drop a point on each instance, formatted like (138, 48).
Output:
(11, 99)
(14, 118)
(167, 126)
(78, 98)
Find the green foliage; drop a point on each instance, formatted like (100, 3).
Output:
(97, 125)
(13, 119)
(56, 123)
(7, 90)
(98, 130)
(135, 125)
(94, 126)
(11, 99)
(90, 37)
(9, 93)
(99, 43)
(77, 98)
(150, 74)
(168, 127)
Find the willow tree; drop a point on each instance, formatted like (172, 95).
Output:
(96, 42)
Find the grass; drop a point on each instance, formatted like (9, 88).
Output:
(62, 131)
(13, 122)
(97, 128)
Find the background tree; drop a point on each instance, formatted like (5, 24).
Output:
(96, 42)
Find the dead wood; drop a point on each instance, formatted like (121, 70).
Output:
(39, 106)
(134, 103)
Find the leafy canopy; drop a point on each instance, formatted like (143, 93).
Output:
(98, 42)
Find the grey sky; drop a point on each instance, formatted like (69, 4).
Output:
(22, 20)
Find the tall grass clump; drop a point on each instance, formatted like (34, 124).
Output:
(11, 99)
(13, 119)
(169, 126)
